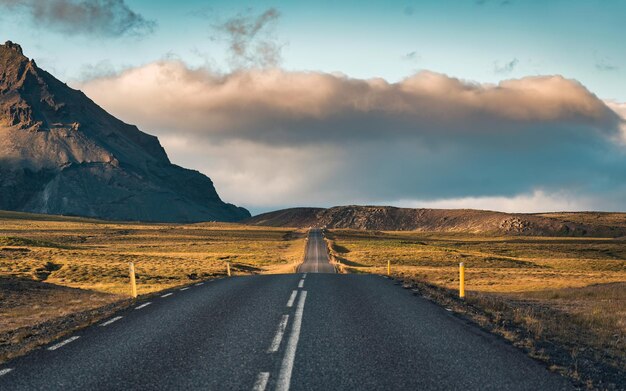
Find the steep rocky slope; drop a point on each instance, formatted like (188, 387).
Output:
(386, 218)
(60, 153)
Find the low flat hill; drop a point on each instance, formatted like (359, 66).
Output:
(387, 218)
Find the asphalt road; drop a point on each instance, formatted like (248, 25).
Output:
(316, 259)
(304, 331)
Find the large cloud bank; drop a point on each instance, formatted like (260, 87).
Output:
(274, 138)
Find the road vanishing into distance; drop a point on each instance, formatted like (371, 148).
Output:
(303, 331)
(316, 257)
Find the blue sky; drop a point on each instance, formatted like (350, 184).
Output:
(503, 105)
(390, 39)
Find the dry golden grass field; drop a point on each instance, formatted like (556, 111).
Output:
(53, 266)
(569, 292)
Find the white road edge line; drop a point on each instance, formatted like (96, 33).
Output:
(279, 334)
(292, 298)
(301, 284)
(261, 381)
(63, 343)
(5, 371)
(143, 305)
(183, 289)
(304, 276)
(108, 322)
(286, 368)
(167, 294)
(200, 283)
(317, 257)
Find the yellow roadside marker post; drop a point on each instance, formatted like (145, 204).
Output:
(133, 284)
(388, 267)
(461, 280)
(228, 268)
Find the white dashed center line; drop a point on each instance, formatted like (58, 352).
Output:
(286, 368)
(304, 276)
(167, 294)
(183, 289)
(292, 298)
(5, 371)
(200, 283)
(279, 334)
(63, 343)
(301, 284)
(261, 381)
(108, 322)
(143, 305)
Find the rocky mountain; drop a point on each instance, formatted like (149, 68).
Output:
(386, 218)
(60, 153)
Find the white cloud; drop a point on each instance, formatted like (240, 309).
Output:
(278, 106)
(535, 202)
(256, 175)
(620, 109)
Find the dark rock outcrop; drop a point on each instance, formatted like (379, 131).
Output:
(60, 153)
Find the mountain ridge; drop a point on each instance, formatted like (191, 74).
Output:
(61, 153)
(389, 218)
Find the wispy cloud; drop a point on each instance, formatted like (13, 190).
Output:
(100, 69)
(505, 68)
(411, 56)
(110, 18)
(604, 64)
(250, 39)
(500, 2)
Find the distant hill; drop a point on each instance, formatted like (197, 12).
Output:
(60, 153)
(387, 218)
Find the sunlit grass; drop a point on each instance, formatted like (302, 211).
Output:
(95, 255)
(494, 264)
